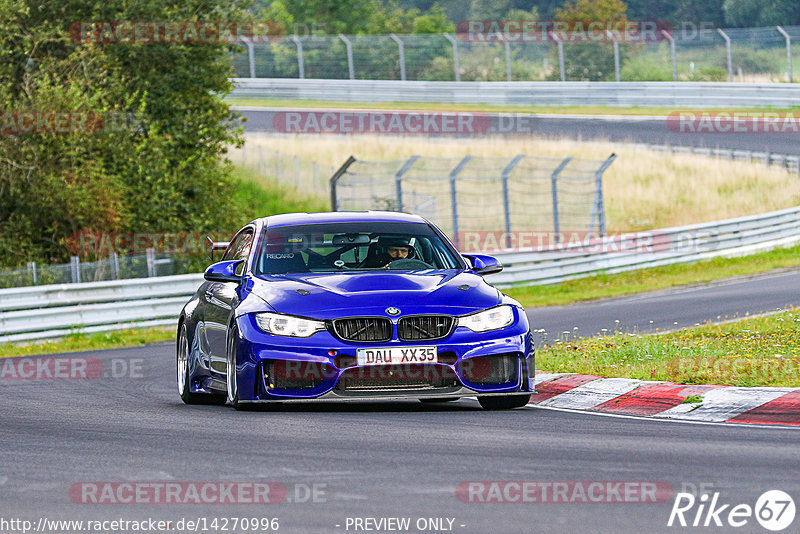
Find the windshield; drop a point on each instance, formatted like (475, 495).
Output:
(371, 246)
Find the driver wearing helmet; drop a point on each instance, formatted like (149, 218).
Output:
(390, 249)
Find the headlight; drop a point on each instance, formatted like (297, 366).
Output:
(287, 325)
(491, 319)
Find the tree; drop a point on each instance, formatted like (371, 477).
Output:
(161, 172)
(589, 60)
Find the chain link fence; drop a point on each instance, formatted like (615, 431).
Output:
(115, 267)
(302, 174)
(480, 194)
(691, 54)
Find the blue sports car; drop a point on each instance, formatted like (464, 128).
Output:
(351, 305)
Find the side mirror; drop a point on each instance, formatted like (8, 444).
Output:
(223, 271)
(483, 264)
(215, 245)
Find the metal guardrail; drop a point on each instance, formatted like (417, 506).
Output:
(790, 163)
(730, 237)
(49, 311)
(494, 51)
(40, 312)
(626, 94)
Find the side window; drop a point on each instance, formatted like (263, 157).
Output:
(240, 246)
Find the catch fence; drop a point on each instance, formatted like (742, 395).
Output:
(474, 193)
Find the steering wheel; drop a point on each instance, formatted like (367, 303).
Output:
(409, 263)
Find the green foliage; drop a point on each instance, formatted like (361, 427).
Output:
(590, 61)
(160, 173)
(708, 74)
(646, 67)
(745, 13)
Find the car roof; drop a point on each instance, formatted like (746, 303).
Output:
(291, 219)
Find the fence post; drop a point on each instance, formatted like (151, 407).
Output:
(335, 178)
(507, 46)
(349, 46)
(788, 52)
(455, 54)
(402, 55)
(616, 53)
(728, 49)
(554, 194)
(75, 268)
(251, 56)
(599, 207)
(300, 64)
(671, 40)
(150, 257)
(506, 203)
(398, 180)
(32, 270)
(454, 194)
(557, 39)
(113, 260)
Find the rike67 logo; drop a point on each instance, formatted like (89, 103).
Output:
(774, 510)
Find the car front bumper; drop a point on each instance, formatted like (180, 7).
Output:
(322, 367)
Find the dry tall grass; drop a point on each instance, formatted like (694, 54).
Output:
(643, 189)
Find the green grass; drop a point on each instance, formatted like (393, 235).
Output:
(257, 196)
(760, 351)
(639, 281)
(437, 106)
(132, 337)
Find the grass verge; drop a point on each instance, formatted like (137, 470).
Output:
(760, 351)
(258, 196)
(442, 106)
(131, 337)
(640, 281)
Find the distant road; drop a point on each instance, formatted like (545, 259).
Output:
(671, 309)
(627, 129)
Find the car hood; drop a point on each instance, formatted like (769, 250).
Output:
(332, 295)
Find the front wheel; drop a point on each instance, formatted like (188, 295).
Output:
(184, 378)
(506, 402)
(233, 383)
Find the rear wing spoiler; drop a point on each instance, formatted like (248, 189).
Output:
(215, 245)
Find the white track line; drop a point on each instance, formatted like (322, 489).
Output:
(723, 403)
(592, 393)
(663, 420)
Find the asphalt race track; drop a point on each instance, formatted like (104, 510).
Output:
(670, 309)
(628, 129)
(386, 459)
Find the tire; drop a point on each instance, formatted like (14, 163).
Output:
(506, 402)
(183, 378)
(231, 381)
(438, 400)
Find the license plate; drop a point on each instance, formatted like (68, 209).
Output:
(394, 355)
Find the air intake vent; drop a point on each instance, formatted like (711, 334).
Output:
(423, 327)
(363, 329)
